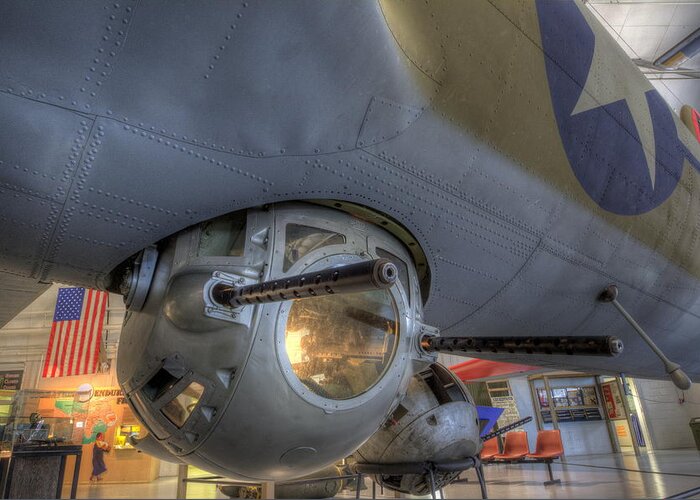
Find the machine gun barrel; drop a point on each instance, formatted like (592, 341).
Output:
(351, 278)
(579, 346)
(506, 429)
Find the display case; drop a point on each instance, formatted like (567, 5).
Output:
(129, 427)
(77, 417)
(6, 404)
(39, 416)
(572, 403)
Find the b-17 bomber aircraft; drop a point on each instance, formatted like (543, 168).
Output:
(302, 202)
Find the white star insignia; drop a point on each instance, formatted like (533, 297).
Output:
(613, 77)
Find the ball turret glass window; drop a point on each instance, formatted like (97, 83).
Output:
(340, 346)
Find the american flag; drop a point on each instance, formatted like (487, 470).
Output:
(76, 333)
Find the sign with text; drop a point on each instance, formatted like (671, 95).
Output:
(11, 380)
(613, 400)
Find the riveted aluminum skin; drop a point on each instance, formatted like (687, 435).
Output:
(436, 421)
(125, 123)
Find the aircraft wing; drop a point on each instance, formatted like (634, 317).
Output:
(17, 293)
(479, 369)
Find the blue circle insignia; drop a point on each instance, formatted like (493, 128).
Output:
(602, 142)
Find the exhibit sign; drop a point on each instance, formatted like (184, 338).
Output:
(95, 411)
(613, 400)
(510, 409)
(102, 415)
(11, 380)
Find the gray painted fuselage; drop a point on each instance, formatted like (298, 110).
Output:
(123, 123)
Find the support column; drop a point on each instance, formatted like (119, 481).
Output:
(552, 410)
(181, 484)
(628, 412)
(268, 489)
(535, 403)
(614, 442)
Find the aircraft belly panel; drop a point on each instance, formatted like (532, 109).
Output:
(26, 224)
(40, 147)
(472, 240)
(17, 293)
(135, 188)
(49, 50)
(543, 299)
(686, 291)
(260, 79)
(193, 113)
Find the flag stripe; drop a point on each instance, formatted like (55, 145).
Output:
(57, 353)
(56, 349)
(47, 361)
(86, 361)
(72, 353)
(98, 341)
(82, 334)
(66, 335)
(74, 337)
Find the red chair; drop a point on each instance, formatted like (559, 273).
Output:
(489, 450)
(548, 448)
(515, 447)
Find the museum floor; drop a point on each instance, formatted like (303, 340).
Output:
(593, 476)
